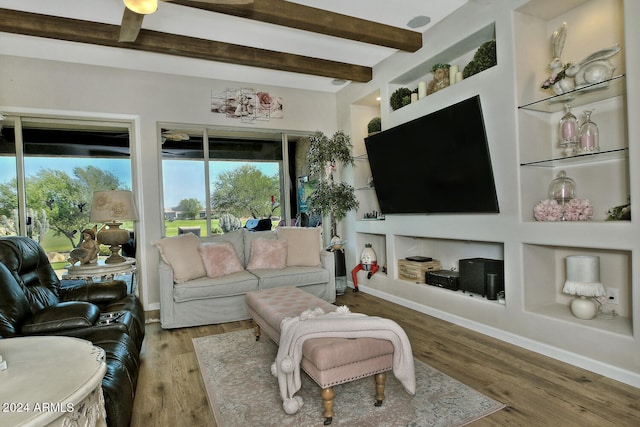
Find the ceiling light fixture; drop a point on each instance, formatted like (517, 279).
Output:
(338, 82)
(418, 21)
(143, 7)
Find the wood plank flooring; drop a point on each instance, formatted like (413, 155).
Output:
(538, 391)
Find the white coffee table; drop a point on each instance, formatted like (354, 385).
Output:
(51, 381)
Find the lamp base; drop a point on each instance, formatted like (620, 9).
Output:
(114, 236)
(115, 257)
(584, 308)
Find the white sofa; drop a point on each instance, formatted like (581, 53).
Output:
(192, 295)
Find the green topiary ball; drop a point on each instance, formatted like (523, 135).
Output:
(374, 125)
(485, 57)
(397, 97)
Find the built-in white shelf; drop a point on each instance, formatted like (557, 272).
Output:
(600, 156)
(589, 94)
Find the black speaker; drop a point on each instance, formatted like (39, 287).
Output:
(493, 286)
(473, 275)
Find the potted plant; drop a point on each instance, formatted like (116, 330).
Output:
(330, 198)
(400, 97)
(374, 125)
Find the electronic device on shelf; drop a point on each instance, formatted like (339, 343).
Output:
(447, 279)
(418, 258)
(438, 163)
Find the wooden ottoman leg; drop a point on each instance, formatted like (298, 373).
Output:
(256, 330)
(327, 401)
(380, 378)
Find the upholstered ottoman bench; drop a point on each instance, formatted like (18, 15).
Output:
(328, 361)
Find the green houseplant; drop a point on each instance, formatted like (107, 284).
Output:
(330, 198)
(374, 125)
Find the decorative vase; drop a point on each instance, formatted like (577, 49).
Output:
(589, 135)
(568, 131)
(562, 190)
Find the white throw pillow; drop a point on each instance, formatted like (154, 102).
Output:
(181, 253)
(303, 245)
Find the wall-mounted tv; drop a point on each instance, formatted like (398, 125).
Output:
(439, 163)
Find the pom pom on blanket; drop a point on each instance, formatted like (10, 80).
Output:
(311, 314)
(343, 309)
(287, 365)
(292, 405)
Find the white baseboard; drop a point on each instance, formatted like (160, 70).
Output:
(613, 372)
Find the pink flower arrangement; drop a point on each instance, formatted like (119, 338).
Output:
(574, 210)
(578, 210)
(547, 210)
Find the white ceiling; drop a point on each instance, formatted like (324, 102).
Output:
(177, 19)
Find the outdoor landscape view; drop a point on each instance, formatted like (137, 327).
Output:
(59, 193)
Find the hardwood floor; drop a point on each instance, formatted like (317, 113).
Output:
(538, 391)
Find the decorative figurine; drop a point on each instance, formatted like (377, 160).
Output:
(368, 262)
(559, 81)
(87, 252)
(440, 78)
(595, 68)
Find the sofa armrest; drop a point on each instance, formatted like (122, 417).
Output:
(96, 293)
(328, 261)
(165, 279)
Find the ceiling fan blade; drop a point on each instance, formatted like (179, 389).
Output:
(131, 24)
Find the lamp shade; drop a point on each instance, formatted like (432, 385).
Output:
(113, 206)
(583, 276)
(143, 7)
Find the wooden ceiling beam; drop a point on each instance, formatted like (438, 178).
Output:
(293, 15)
(74, 30)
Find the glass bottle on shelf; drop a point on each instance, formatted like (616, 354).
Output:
(568, 132)
(562, 190)
(589, 135)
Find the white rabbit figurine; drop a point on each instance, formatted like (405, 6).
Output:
(559, 82)
(595, 68)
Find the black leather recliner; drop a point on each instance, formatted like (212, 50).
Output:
(33, 302)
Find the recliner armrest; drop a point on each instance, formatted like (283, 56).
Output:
(61, 317)
(97, 293)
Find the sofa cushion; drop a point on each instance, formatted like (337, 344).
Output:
(206, 287)
(268, 253)
(235, 237)
(291, 276)
(304, 245)
(66, 315)
(181, 253)
(250, 236)
(219, 259)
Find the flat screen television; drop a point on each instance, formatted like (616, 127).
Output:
(436, 164)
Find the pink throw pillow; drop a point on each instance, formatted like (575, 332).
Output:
(268, 253)
(219, 259)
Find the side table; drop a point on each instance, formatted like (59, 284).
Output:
(51, 381)
(102, 271)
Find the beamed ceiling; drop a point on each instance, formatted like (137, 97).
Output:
(314, 38)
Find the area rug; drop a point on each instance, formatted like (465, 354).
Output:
(236, 370)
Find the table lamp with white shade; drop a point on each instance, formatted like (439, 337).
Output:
(583, 280)
(111, 207)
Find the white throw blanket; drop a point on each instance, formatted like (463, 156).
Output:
(339, 324)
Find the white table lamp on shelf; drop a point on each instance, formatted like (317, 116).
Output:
(111, 207)
(583, 280)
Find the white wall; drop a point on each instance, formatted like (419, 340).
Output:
(145, 99)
